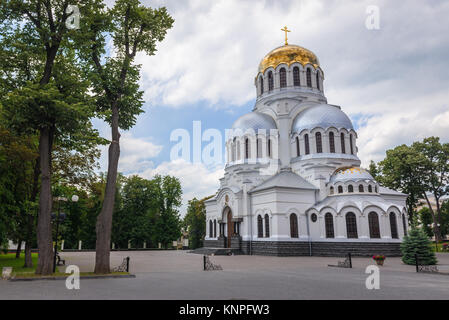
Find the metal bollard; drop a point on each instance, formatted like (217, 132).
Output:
(416, 262)
(350, 259)
(127, 264)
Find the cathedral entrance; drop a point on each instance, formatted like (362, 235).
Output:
(230, 227)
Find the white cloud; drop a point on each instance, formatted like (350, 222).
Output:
(196, 180)
(135, 153)
(393, 80)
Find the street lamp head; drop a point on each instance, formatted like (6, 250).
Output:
(75, 198)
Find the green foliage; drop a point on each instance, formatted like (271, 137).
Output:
(401, 171)
(168, 225)
(146, 211)
(9, 260)
(425, 219)
(373, 169)
(195, 222)
(115, 79)
(416, 242)
(419, 170)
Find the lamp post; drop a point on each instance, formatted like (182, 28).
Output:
(436, 240)
(60, 217)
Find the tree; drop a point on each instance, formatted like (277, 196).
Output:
(168, 224)
(425, 219)
(445, 218)
(420, 170)
(435, 176)
(41, 104)
(195, 222)
(416, 242)
(133, 28)
(401, 171)
(373, 170)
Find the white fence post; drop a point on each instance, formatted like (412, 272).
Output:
(80, 244)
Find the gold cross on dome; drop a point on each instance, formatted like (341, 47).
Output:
(285, 30)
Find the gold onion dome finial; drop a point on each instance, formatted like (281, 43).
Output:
(288, 54)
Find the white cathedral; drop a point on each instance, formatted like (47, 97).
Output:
(293, 184)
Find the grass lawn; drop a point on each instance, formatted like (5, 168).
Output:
(9, 260)
(440, 247)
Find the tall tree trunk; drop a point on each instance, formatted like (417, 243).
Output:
(436, 228)
(104, 220)
(28, 257)
(19, 248)
(44, 234)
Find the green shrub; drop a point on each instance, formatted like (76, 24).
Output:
(417, 242)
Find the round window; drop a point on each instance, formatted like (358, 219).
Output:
(313, 217)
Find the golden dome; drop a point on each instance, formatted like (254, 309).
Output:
(288, 54)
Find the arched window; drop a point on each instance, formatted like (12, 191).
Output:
(319, 143)
(340, 189)
(331, 142)
(296, 79)
(375, 189)
(211, 235)
(269, 148)
(297, 147)
(373, 222)
(350, 188)
(306, 143)
(259, 147)
(215, 228)
(350, 143)
(393, 226)
(293, 226)
(232, 145)
(238, 150)
(270, 81)
(247, 151)
(342, 142)
(261, 84)
(329, 224)
(361, 188)
(351, 226)
(309, 78)
(404, 224)
(267, 226)
(332, 190)
(318, 80)
(370, 188)
(282, 78)
(259, 226)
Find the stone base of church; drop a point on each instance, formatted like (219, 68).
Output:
(325, 249)
(213, 243)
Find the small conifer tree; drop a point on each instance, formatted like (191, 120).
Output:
(416, 242)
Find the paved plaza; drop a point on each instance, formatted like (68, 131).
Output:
(179, 275)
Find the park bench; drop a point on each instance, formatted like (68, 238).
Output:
(59, 260)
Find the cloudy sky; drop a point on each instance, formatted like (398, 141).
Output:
(392, 82)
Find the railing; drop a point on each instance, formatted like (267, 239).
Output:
(347, 263)
(209, 266)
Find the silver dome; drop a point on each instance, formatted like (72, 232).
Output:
(353, 174)
(255, 121)
(323, 116)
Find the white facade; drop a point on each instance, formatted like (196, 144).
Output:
(294, 158)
